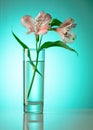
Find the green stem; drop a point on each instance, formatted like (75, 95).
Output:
(37, 55)
(40, 40)
(32, 81)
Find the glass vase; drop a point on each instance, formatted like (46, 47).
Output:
(33, 80)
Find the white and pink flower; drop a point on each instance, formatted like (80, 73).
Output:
(65, 30)
(39, 25)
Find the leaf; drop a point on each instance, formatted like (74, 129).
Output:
(56, 44)
(20, 42)
(55, 22)
(26, 47)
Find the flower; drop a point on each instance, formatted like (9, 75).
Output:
(39, 25)
(65, 32)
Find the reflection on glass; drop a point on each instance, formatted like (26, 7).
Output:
(33, 121)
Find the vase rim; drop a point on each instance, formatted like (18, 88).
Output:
(32, 49)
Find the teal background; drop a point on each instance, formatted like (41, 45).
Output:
(68, 78)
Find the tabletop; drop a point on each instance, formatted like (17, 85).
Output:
(71, 119)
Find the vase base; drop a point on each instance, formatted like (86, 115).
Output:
(33, 107)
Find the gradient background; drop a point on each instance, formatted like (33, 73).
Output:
(68, 78)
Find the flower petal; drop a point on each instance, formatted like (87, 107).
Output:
(69, 24)
(43, 29)
(43, 18)
(69, 37)
(28, 22)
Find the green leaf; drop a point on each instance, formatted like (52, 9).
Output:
(55, 22)
(56, 44)
(28, 54)
(20, 42)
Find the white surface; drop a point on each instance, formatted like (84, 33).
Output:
(66, 120)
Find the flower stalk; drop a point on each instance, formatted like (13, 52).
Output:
(34, 73)
(33, 77)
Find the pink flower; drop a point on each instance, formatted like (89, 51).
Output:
(39, 25)
(65, 32)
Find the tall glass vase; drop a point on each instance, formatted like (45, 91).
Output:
(33, 80)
